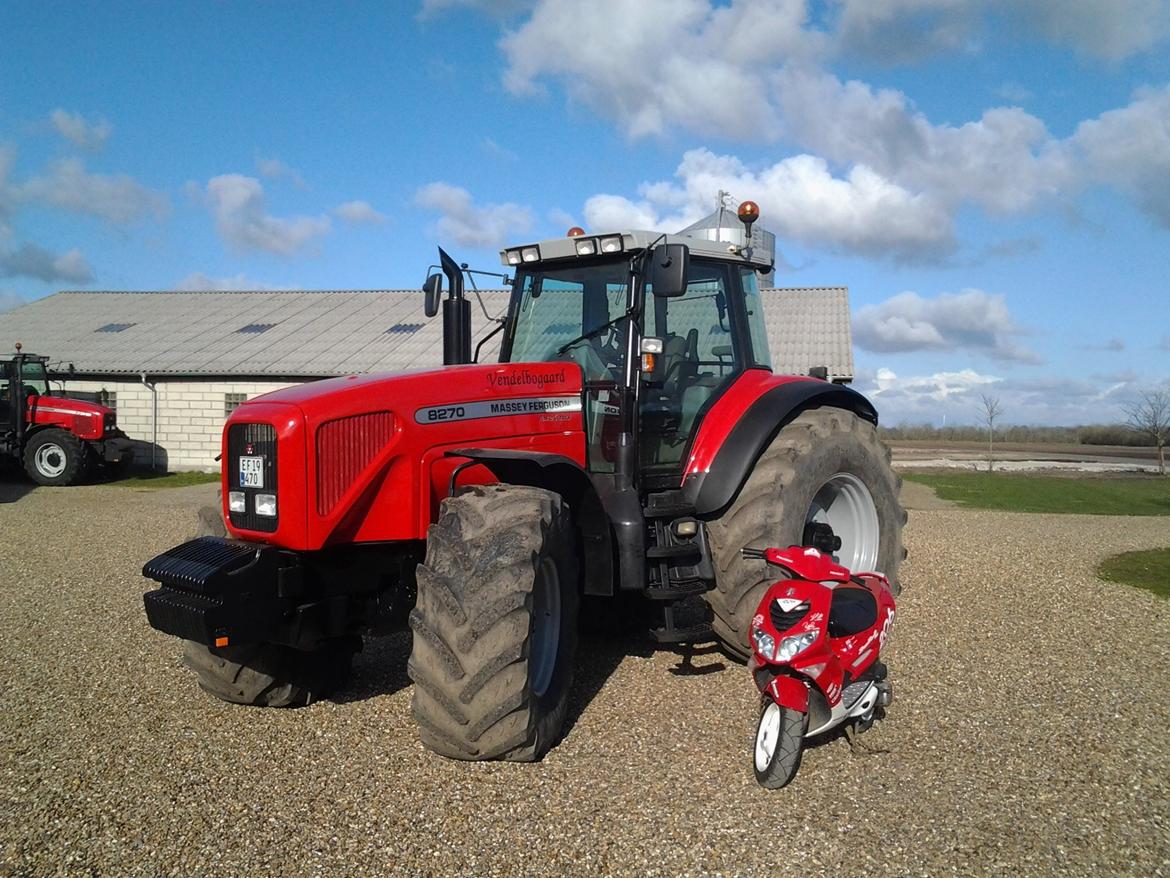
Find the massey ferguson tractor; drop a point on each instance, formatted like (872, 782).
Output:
(56, 438)
(632, 440)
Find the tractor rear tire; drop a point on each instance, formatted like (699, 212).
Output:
(495, 626)
(271, 675)
(55, 457)
(822, 452)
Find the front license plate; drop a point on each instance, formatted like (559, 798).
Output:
(251, 472)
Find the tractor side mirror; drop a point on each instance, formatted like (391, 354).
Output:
(669, 266)
(432, 289)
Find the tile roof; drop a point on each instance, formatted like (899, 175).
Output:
(307, 334)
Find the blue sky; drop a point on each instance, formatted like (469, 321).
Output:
(991, 178)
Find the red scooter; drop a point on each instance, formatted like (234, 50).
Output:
(816, 639)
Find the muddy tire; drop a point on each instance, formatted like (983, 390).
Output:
(826, 465)
(495, 625)
(55, 457)
(271, 675)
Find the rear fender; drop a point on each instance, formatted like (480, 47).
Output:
(732, 437)
(565, 476)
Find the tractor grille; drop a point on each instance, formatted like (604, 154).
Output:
(781, 620)
(345, 447)
(252, 440)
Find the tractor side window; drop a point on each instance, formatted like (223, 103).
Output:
(34, 375)
(699, 357)
(754, 305)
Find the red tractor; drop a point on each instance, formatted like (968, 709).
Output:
(632, 440)
(56, 438)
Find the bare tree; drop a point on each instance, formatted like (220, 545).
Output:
(991, 410)
(1150, 416)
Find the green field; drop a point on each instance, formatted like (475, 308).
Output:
(170, 480)
(1149, 570)
(1145, 495)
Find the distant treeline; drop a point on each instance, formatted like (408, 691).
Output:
(1100, 434)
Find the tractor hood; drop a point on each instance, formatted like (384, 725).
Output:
(86, 419)
(368, 458)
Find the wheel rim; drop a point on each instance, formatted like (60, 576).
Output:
(546, 627)
(50, 460)
(767, 736)
(845, 504)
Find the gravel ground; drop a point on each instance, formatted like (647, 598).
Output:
(1029, 734)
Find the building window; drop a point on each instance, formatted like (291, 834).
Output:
(231, 401)
(108, 398)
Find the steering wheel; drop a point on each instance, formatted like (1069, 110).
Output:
(598, 358)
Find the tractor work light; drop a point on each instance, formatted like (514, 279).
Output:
(586, 246)
(530, 254)
(514, 257)
(236, 501)
(612, 244)
(266, 505)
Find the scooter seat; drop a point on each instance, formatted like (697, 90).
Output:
(852, 611)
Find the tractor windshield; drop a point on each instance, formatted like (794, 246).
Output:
(573, 313)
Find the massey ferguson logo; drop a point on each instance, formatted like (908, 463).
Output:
(249, 448)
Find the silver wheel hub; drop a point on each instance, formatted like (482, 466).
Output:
(845, 504)
(50, 460)
(767, 736)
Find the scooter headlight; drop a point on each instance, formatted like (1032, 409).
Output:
(765, 643)
(790, 647)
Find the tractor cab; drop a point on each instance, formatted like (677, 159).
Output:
(22, 376)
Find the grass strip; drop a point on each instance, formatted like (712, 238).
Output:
(1084, 495)
(170, 480)
(1149, 569)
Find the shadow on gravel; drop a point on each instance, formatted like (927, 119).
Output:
(379, 669)
(13, 486)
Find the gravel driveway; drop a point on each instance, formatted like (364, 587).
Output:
(1030, 732)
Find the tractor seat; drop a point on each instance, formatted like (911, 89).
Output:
(852, 611)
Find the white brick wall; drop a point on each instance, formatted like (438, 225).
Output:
(190, 417)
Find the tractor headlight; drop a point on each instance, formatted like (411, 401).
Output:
(765, 643)
(530, 254)
(612, 244)
(792, 646)
(586, 246)
(237, 502)
(266, 505)
(514, 257)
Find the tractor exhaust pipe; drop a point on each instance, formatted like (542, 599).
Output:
(456, 314)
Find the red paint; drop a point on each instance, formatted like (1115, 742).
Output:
(722, 417)
(378, 473)
(86, 420)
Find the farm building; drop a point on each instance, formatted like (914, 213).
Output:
(175, 364)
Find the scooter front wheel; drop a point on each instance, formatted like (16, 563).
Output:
(779, 743)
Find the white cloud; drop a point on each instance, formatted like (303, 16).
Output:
(898, 31)
(940, 386)
(464, 222)
(1130, 148)
(74, 128)
(32, 260)
(800, 198)
(117, 198)
(971, 320)
(275, 169)
(359, 212)
(241, 218)
(660, 63)
(199, 282)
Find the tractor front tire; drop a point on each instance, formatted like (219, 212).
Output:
(826, 465)
(55, 457)
(269, 674)
(495, 625)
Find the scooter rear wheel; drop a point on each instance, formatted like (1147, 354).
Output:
(779, 743)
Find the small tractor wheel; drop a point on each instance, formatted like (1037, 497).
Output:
(271, 675)
(826, 466)
(55, 457)
(495, 626)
